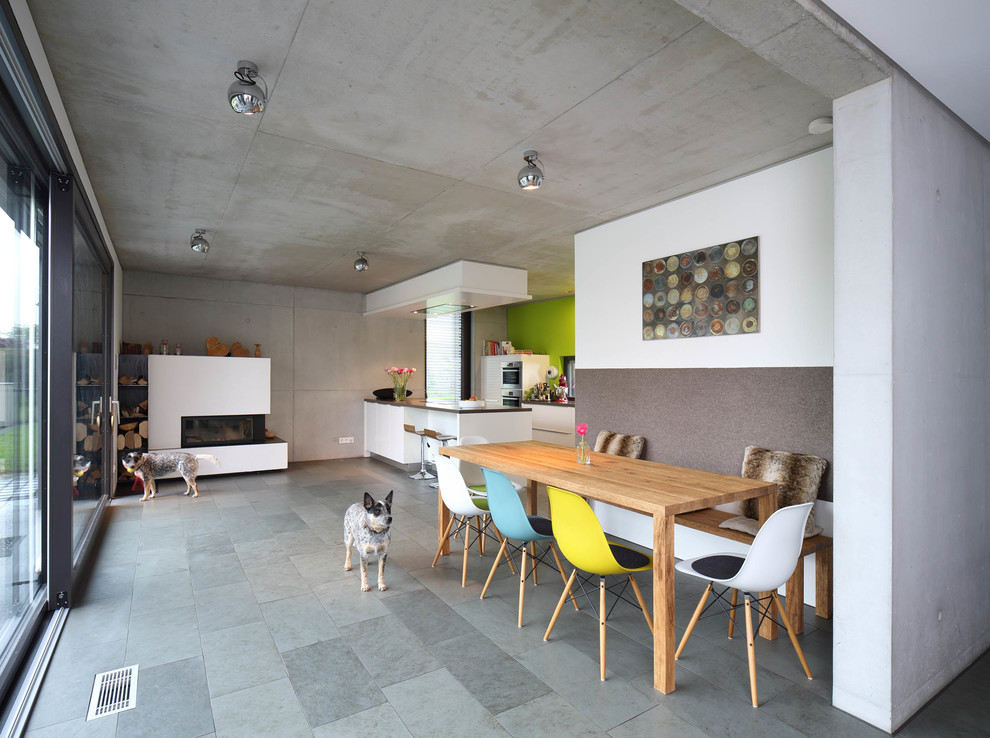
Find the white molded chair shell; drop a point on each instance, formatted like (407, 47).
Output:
(471, 473)
(455, 493)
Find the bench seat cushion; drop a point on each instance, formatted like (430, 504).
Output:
(619, 444)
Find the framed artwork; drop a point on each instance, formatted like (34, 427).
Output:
(713, 291)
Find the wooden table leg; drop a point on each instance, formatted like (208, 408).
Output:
(767, 505)
(443, 519)
(823, 582)
(795, 597)
(663, 603)
(531, 497)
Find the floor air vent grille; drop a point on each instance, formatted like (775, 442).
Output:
(113, 692)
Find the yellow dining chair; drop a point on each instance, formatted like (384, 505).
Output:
(582, 541)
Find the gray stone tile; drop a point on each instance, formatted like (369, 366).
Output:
(286, 522)
(330, 681)
(266, 710)
(320, 567)
(388, 650)
(99, 621)
(550, 714)
(815, 717)
(496, 618)
(172, 700)
(170, 635)
(376, 721)
(300, 542)
(495, 679)
(218, 608)
(161, 592)
(113, 580)
(105, 727)
(427, 616)
(263, 552)
(298, 621)
(575, 677)
(241, 657)
(463, 716)
(256, 530)
(216, 571)
(152, 561)
(276, 582)
(204, 547)
(346, 603)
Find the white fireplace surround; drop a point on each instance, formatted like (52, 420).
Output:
(211, 385)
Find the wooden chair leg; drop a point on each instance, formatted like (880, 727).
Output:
(532, 554)
(481, 533)
(642, 603)
(694, 620)
(467, 545)
(508, 557)
(732, 612)
(491, 574)
(601, 625)
(750, 650)
(560, 604)
(793, 636)
(560, 568)
(522, 586)
(443, 540)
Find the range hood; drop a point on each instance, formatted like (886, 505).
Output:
(455, 288)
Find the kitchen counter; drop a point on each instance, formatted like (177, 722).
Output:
(449, 407)
(552, 403)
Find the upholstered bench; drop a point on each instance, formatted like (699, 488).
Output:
(709, 520)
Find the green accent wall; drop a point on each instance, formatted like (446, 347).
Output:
(543, 328)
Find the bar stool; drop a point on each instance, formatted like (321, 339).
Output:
(422, 473)
(442, 438)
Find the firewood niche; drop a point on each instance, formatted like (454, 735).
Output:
(215, 348)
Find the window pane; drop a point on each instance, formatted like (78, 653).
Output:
(443, 358)
(20, 395)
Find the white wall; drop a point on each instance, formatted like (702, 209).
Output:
(326, 356)
(788, 206)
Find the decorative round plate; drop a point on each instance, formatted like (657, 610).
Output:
(732, 307)
(673, 296)
(716, 327)
(671, 263)
(647, 285)
(718, 290)
(648, 332)
(700, 329)
(749, 284)
(715, 273)
(672, 312)
(701, 293)
(647, 316)
(685, 261)
(749, 247)
(749, 305)
(715, 253)
(732, 269)
(672, 280)
(749, 267)
(687, 278)
(648, 299)
(731, 251)
(687, 294)
(660, 331)
(732, 326)
(686, 329)
(686, 311)
(749, 325)
(700, 274)
(660, 299)
(717, 307)
(700, 310)
(672, 330)
(731, 289)
(700, 257)
(647, 269)
(660, 266)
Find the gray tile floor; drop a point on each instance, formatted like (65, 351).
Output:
(244, 623)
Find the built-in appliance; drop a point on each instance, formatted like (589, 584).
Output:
(511, 397)
(222, 430)
(512, 375)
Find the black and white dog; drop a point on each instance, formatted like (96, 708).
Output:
(367, 528)
(147, 466)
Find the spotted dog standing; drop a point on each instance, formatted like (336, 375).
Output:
(147, 466)
(366, 527)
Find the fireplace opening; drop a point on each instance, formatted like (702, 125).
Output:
(222, 430)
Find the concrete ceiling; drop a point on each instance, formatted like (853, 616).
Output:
(398, 128)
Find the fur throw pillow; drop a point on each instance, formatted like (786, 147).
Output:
(797, 476)
(619, 445)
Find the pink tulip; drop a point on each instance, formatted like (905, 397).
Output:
(582, 428)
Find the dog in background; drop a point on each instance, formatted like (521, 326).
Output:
(367, 528)
(147, 466)
(80, 465)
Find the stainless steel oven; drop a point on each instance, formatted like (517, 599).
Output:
(512, 375)
(511, 397)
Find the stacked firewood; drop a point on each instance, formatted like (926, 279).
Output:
(133, 434)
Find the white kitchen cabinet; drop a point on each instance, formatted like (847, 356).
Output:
(553, 423)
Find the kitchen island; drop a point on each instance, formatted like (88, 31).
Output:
(385, 438)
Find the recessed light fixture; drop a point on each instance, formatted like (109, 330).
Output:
(531, 176)
(244, 95)
(198, 242)
(820, 125)
(361, 263)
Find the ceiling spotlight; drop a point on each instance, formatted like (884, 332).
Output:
(244, 95)
(360, 263)
(531, 176)
(198, 242)
(820, 125)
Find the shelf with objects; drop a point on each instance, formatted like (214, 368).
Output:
(132, 424)
(87, 462)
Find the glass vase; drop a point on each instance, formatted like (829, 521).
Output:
(399, 388)
(583, 452)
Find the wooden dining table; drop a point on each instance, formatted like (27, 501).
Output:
(659, 490)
